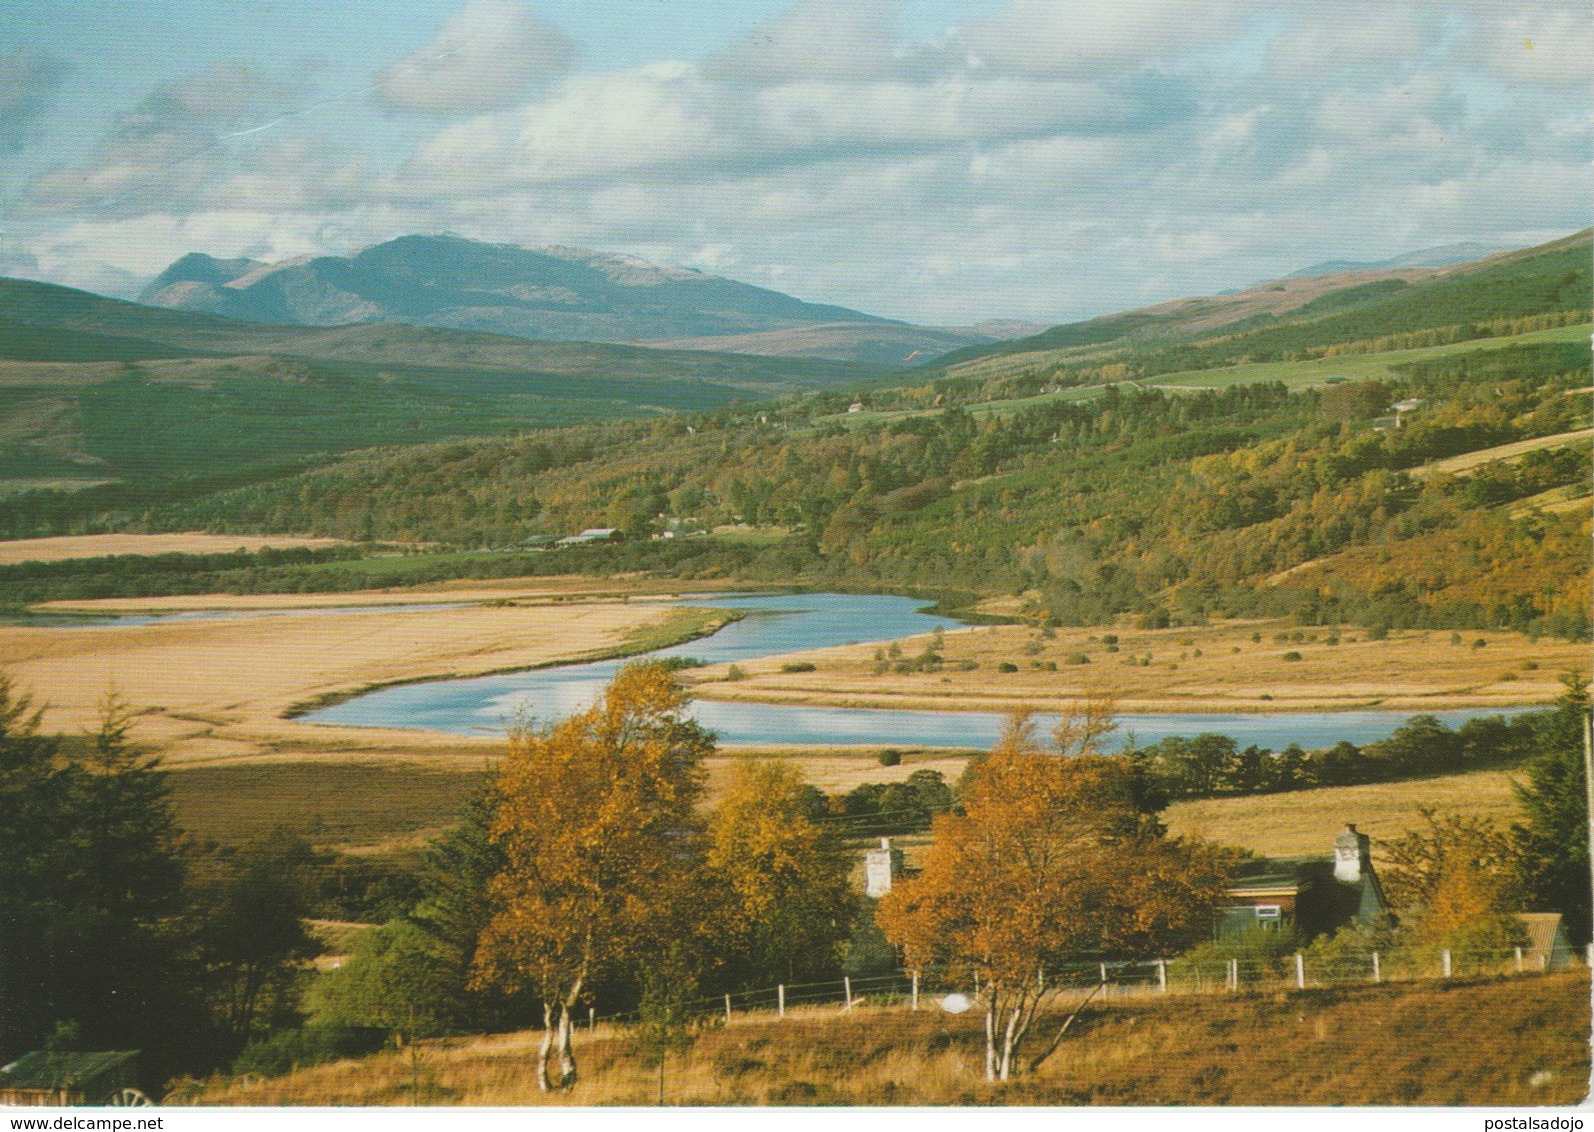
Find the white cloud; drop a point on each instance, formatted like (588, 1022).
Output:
(486, 56)
(1545, 43)
(28, 79)
(838, 40)
(1049, 37)
(1059, 159)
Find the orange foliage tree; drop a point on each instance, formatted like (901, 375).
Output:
(595, 821)
(1056, 857)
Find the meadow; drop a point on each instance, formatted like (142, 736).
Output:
(1236, 665)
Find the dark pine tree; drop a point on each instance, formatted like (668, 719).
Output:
(1554, 840)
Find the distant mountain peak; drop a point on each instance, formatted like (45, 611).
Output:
(557, 292)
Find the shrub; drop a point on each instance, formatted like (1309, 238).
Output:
(890, 757)
(287, 1050)
(1007, 666)
(1078, 658)
(797, 666)
(1292, 655)
(734, 672)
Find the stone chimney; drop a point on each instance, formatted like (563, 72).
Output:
(879, 866)
(1352, 855)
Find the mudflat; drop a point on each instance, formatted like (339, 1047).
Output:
(219, 688)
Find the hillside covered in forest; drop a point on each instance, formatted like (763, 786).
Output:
(1398, 453)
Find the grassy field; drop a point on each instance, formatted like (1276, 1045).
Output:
(352, 805)
(1216, 668)
(1470, 460)
(1304, 822)
(1295, 375)
(63, 547)
(217, 688)
(1515, 1042)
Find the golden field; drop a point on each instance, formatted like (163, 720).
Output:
(1222, 667)
(1304, 822)
(213, 689)
(13, 551)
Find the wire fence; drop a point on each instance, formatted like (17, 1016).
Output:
(928, 988)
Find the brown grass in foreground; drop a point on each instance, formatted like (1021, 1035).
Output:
(1507, 1041)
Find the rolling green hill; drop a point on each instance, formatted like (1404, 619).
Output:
(1299, 318)
(1285, 481)
(101, 388)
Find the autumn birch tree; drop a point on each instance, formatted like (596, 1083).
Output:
(595, 819)
(776, 882)
(1054, 858)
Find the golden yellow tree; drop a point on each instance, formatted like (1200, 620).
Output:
(595, 819)
(778, 880)
(1054, 858)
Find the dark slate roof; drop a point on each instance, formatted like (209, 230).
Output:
(1256, 873)
(44, 1070)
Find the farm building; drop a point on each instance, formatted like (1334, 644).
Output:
(48, 1079)
(1313, 894)
(1548, 948)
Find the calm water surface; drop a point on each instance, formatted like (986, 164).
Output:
(785, 623)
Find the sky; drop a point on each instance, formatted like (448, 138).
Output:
(940, 161)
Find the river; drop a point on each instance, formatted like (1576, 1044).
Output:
(784, 623)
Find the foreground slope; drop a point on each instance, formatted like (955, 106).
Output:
(1510, 1042)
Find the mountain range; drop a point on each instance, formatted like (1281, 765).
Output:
(550, 293)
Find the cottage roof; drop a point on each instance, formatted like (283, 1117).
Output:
(43, 1069)
(1545, 937)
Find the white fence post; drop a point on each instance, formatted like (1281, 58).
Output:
(846, 987)
(1234, 974)
(727, 1009)
(1300, 971)
(780, 1000)
(1378, 974)
(1444, 963)
(1162, 975)
(1519, 960)
(1104, 974)
(914, 1005)
(1588, 955)
(592, 1018)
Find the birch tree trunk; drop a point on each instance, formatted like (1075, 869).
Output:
(567, 1056)
(990, 1033)
(543, 1084)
